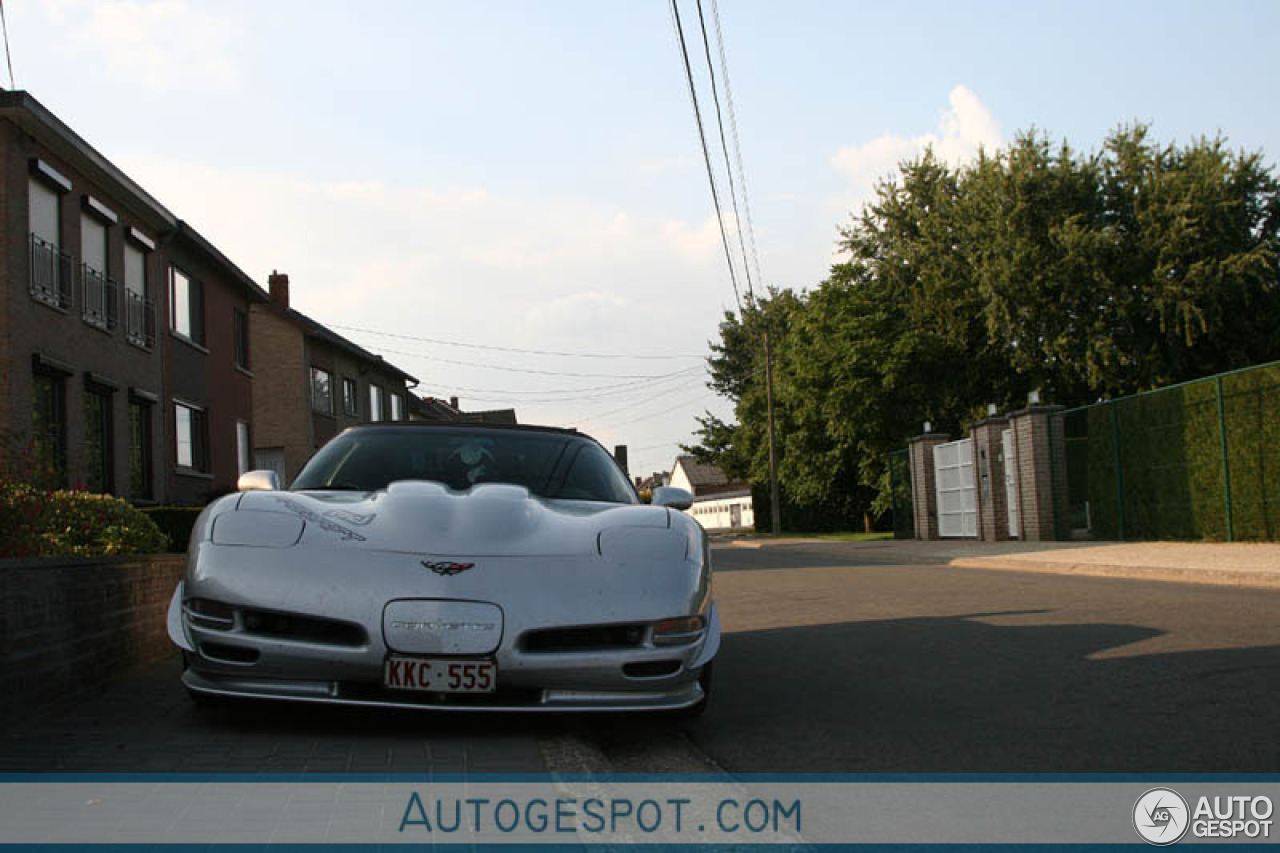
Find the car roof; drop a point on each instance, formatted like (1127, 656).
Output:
(466, 427)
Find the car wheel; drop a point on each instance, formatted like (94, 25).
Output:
(697, 710)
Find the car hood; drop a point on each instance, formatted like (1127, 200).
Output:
(422, 517)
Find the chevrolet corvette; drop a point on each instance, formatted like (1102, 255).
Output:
(450, 567)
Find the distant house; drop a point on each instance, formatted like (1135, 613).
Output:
(718, 502)
(701, 478)
(655, 480)
(434, 410)
(312, 383)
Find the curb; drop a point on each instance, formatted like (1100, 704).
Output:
(1211, 577)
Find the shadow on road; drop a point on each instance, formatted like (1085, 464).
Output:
(954, 694)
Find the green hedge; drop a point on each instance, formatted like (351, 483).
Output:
(41, 523)
(1171, 476)
(175, 522)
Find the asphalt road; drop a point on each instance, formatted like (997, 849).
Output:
(840, 659)
(837, 658)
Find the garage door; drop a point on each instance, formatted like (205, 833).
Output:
(957, 497)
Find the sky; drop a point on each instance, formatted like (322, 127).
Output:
(528, 175)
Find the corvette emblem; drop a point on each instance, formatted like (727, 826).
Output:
(448, 569)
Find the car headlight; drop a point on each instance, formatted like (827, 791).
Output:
(257, 529)
(679, 631)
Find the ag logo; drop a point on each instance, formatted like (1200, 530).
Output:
(1160, 816)
(447, 568)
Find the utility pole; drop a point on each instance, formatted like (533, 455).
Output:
(775, 511)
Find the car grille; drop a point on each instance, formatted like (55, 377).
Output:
(289, 626)
(588, 638)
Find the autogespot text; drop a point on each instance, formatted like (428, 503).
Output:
(611, 815)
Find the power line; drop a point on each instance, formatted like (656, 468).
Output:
(724, 147)
(497, 348)
(597, 415)
(649, 389)
(618, 388)
(733, 131)
(8, 57)
(706, 154)
(426, 357)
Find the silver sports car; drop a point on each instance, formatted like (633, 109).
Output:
(450, 567)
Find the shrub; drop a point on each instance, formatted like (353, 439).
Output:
(40, 523)
(175, 522)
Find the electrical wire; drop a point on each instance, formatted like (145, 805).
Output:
(497, 348)
(724, 147)
(591, 391)
(426, 357)
(8, 57)
(706, 154)
(733, 132)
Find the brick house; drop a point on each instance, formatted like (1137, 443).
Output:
(104, 374)
(81, 265)
(435, 410)
(319, 384)
(208, 356)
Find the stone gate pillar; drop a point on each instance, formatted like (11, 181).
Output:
(924, 484)
(1041, 459)
(989, 475)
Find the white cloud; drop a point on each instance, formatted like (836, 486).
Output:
(163, 45)
(963, 127)
(474, 265)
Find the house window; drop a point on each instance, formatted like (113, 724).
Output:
(243, 448)
(50, 266)
(139, 311)
(97, 440)
(397, 407)
(49, 427)
(139, 449)
(186, 306)
(375, 403)
(191, 432)
(321, 391)
(350, 399)
(97, 290)
(240, 333)
(44, 212)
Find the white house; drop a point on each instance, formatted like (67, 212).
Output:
(717, 502)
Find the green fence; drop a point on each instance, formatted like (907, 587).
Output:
(904, 520)
(1199, 460)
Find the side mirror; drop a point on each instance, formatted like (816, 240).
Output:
(672, 497)
(258, 481)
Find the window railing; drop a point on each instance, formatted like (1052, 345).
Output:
(50, 274)
(139, 319)
(99, 299)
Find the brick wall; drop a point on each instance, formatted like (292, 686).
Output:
(989, 474)
(281, 403)
(70, 627)
(1041, 470)
(924, 484)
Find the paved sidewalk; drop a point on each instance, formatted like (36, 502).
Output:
(1222, 563)
(1243, 564)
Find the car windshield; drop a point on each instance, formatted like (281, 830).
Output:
(550, 465)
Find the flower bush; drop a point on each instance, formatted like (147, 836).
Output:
(38, 522)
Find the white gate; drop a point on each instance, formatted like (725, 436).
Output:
(1011, 481)
(957, 496)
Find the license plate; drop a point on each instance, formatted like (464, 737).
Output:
(440, 675)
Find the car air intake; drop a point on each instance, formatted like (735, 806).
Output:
(589, 638)
(651, 669)
(227, 653)
(307, 629)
